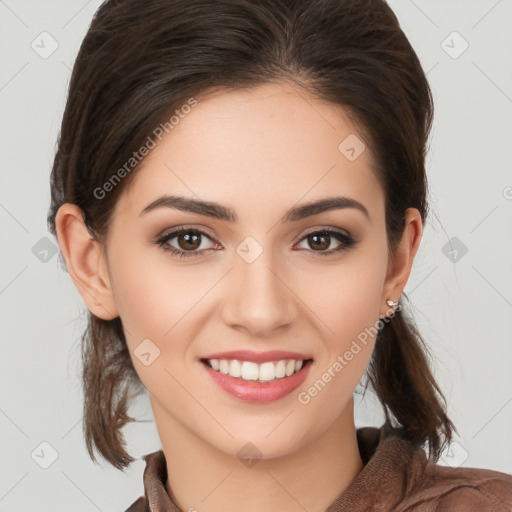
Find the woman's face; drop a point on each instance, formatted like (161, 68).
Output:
(258, 280)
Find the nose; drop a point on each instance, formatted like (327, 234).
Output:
(258, 297)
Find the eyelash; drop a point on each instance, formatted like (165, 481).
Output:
(346, 242)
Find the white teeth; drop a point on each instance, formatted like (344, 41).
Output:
(280, 369)
(267, 371)
(235, 368)
(224, 366)
(248, 370)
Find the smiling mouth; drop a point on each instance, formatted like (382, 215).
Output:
(269, 371)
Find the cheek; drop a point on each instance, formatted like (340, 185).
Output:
(149, 296)
(346, 297)
(154, 301)
(348, 302)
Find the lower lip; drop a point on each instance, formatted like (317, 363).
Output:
(259, 392)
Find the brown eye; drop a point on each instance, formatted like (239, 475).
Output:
(189, 242)
(320, 241)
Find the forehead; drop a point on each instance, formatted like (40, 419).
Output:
(243, 147)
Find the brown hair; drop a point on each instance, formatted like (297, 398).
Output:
(140, 61)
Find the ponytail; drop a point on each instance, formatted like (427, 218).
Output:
(107, 376)
(399, 373)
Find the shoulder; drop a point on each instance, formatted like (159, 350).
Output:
(410, 482)
(453, 489)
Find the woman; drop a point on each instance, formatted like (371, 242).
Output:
(239, 193)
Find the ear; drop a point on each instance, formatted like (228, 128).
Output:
(401, 260)
(85, 261)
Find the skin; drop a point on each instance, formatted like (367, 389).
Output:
(259, 152)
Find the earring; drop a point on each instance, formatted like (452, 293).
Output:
(391, 304)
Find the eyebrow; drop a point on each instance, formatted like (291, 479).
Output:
(217, 211)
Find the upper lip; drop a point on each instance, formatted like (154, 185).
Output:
(258, 357)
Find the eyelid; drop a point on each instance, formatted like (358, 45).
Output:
(326, 228)
(182, 228)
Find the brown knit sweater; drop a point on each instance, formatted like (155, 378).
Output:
(396, 477)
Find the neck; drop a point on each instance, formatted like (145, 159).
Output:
(202, 478)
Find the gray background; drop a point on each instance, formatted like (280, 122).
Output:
(462, 300)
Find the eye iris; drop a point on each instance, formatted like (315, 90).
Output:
(317, 236)
(193, 239)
